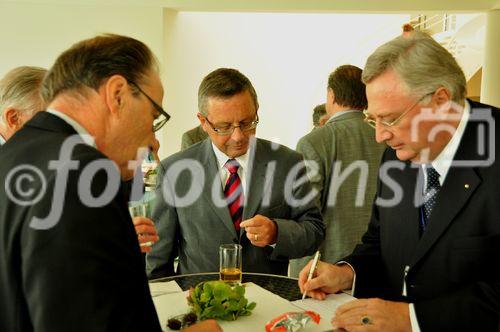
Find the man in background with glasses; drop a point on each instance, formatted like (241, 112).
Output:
(232, 188)
(428, 261)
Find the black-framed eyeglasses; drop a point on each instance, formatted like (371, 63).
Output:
(162, 118)
(373, 123)
(229, 129)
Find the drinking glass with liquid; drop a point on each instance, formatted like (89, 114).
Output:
(230, 263)
(141, 210)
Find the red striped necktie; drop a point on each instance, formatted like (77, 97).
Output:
(234, 193)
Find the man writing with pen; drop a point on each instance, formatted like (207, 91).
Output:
(426, 262)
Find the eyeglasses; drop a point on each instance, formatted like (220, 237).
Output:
(373, 123)
(162, 118)
(228, 130)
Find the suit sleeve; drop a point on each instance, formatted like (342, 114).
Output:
(160, 261)
(316, 173)
(86, 272)
(315, 167)
(303, 231)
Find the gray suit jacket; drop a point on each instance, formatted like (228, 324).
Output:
(195, 230)
(345, 141)
(192, 136)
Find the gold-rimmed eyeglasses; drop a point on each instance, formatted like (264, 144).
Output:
(229, 129)
(159, 121)
(373, 123)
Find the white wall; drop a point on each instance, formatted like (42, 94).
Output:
(286, 56)
(35, 34)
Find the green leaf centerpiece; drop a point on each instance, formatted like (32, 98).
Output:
(218, 300)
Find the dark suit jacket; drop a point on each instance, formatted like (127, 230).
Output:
(453, 275)
(86, 272)
(195, 231)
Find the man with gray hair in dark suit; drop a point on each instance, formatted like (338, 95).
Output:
(427, 261)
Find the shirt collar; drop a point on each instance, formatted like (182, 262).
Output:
(340, 113)
(2, 140)
(86, 137)
(444, 160)
(222, 158)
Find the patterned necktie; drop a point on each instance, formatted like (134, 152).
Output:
(430, 194)
(234, 193)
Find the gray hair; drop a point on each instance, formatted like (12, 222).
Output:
(224, 83)
(20, 89)
(421, 62)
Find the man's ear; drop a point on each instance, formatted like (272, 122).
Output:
(202, 121)
(442, 96)
(114, 91)
(12, 118)
(331, 96)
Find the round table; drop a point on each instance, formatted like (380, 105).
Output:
(282, 286)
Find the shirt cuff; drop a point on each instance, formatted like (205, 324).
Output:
(349, 291)
(413, 319)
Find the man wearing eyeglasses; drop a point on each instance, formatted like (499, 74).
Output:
(428, 259)
(233, 188)
(69, 255)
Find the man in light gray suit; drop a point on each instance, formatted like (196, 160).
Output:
(192, 136)
(343, 160)
(233, 188)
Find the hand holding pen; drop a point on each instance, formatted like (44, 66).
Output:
(312, 268)
(326, 278)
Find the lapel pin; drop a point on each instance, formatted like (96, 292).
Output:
(466, 186)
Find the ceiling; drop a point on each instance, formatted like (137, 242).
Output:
(352, 6)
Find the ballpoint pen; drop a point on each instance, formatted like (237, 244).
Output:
(311, 271)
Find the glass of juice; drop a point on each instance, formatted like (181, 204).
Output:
(230, 263)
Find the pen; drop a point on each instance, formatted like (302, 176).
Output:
(311, 270)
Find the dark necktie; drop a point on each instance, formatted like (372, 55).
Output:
(430, 195)
(233, 192)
